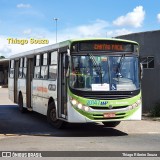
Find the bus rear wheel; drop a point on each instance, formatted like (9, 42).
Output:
(51, 117)
(111, 124)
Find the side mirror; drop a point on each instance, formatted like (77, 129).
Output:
(67, 65)
(68, 52)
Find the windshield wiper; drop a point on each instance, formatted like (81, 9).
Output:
(95, 64)
(118, 71)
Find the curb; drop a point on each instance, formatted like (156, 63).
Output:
(151, 118)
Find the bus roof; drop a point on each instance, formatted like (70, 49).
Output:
(51, 47)
(109, 39)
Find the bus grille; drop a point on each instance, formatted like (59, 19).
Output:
(106, 108)
(108, 97)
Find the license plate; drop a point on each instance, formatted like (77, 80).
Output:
(109, 115)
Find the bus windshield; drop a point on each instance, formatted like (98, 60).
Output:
(104, 73)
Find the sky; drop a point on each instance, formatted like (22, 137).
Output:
(34, 19)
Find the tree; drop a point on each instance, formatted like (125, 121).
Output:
(2, 57)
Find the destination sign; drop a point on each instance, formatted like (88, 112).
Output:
(106, 46)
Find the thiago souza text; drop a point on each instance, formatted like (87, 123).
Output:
(26, 41)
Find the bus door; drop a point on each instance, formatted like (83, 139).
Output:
(29, 78)
(62, 86)
(16, 70)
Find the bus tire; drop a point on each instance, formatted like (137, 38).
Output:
(20, 104)
(111, 124)
(51, 117)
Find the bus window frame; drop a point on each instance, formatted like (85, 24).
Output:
(53, 64)
(11, 68)
(37, 66)
(20, 72)
(24, 67)
(44, 66)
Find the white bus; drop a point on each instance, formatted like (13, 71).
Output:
(79, 81)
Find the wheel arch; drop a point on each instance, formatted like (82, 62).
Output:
(52, 114)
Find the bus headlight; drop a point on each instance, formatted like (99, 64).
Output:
(86, 108)
(74, 102)
(139, 102)
(134, 105)
(78, 105)
(129, 107)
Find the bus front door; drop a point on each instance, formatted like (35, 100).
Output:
(29, 78)
(62, 86)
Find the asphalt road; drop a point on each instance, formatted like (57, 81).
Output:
(31, 132)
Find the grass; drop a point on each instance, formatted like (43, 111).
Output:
(155, 111)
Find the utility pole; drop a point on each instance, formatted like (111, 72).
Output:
(56, 19)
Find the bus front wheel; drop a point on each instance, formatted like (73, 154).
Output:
(51, 116)
(111, 124)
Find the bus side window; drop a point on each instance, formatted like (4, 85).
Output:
(53, 65)
(44, 67)
(11, 72)
(24, 67)
(37, 67)
(20, 67)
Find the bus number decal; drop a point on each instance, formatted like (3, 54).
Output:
(96, 102)
(52, 87)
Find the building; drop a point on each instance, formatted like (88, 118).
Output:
(150, 58)
(4, 64)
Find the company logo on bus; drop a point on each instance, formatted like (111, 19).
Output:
(110, 107)
(103, 103)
